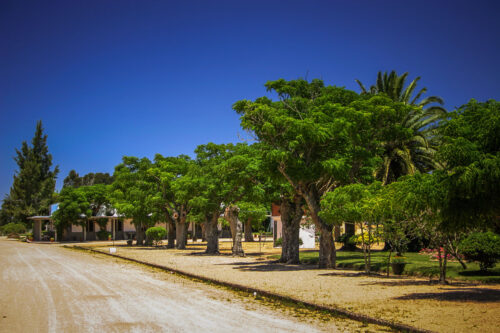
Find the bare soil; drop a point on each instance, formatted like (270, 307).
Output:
(457, 307)
(46, 288)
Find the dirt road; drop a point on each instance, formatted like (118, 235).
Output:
(46, 288)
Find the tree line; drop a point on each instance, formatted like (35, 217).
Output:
(389, 160)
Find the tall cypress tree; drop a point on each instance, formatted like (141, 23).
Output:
(33, 188)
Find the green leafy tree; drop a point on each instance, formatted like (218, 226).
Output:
(98, 197)
(320, 137)
(422, 198)
(33, 187)
(133, 193)
(176, 186)
(74, 208)
(78, 204)
(74, 180)
(224, 176)
(358, 204)
(252, 214)
(470, 155)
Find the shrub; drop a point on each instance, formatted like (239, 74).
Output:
(347, 239)
(483, 247)
(13, 228)
(368, 239)
(279, 242)
(103, 234)
(156, 234)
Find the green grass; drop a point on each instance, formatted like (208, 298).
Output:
(417, 264)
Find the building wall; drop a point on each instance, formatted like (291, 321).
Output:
(128, 226)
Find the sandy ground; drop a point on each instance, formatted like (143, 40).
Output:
(46, 288)
(458, 307)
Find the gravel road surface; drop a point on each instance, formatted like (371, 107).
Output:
(46, 288)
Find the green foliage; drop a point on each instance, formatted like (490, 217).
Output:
(471, 156)
(483, 247)
(74, 180)
(414, 150)
(156, 234)
(77, 204)
(13, 228)
(366, 238)
(103, 234)
(416, 265)
(74, 207)
(347, 239)
(176, 184)
(134, 190)
(255, 212)
(399, 260)
(320, 137)
(353, 203)
(279, 242)
(225, 175)
(32, 190)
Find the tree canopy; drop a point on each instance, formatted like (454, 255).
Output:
(34, 182)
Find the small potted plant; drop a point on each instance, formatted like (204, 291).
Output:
(109, 237)
(398, 265)
(52, 239)
(129, 242)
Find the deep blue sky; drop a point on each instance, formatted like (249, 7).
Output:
(114, 78)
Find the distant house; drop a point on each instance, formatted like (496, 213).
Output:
(118, 226)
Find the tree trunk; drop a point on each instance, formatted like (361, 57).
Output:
(442, 265)
(363, 245)
(327, 252)
(389, 261)
(180, 235)
(248, 230)
(291, 215)
(193, 236)
(203, 231)
(139, 235)
(171, 235)
(231, 215)
(212, 234)
(453, 249)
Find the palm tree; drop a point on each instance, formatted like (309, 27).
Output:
(415, 154)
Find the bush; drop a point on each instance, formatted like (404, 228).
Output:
(13, 228)
(483, 247)
(279, 242)
(347, 239)
(156, 234)
(103, 234)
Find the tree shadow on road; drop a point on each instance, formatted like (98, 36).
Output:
(268, 266)
(482, 295)
(351, 274)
